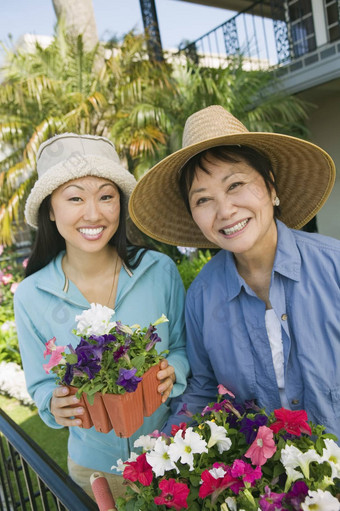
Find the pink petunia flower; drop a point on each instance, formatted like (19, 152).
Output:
(242, 469)
(139, 470)
(55, 352)
(263, 446)
(223, 390)
(271, 501)
(174, 495)
(14, 287)
(292, 421)
(6, 278)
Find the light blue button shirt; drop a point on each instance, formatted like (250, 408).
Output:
(227, 341)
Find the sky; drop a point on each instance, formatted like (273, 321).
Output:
(177, 20)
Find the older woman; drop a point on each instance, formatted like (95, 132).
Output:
(262, 317)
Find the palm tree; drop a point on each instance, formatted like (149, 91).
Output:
(141, 105)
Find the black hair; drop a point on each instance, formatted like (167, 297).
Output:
(231, 154)
(49, 242)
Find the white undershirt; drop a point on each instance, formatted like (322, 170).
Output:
(273, 327)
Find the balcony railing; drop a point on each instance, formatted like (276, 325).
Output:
(30, 479)
(266, 34)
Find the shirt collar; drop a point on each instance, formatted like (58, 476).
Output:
(287, 262)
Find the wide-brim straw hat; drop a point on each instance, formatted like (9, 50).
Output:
(304, 177)
(69, 156)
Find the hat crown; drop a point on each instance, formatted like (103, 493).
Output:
(71, 150)
(211, 122)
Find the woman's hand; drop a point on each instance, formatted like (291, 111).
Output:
(167, 377)
(63, 407)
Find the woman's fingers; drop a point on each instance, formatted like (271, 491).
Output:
(64, 407)
(167, 377)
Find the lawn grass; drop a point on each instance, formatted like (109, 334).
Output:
(52, 441)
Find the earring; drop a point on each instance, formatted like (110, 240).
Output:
(276, 201)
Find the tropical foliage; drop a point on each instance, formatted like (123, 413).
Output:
(118, 92)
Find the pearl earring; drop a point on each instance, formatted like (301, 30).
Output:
(276, 201)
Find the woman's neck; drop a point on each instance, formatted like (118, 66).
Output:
(88, 265)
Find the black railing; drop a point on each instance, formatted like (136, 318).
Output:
(264, 34)
(30, 479)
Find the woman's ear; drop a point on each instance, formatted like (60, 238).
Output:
(52, 217)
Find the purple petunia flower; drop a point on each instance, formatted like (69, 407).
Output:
(68, 377)
(296, 495)
(153, 339)
(249, 427)
(120, 352)
(128, 380)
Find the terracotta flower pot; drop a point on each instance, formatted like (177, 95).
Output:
(152, 399)
(85, 418)
(98, 413)
(125, 411)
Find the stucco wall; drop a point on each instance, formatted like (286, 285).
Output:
(324, 125)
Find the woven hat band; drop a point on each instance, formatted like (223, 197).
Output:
(202, 125)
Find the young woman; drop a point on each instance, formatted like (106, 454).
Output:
(81, 256)
(262, 317)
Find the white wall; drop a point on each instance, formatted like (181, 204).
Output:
(324, 126)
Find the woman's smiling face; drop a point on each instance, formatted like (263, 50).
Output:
(86, 212)
(232, 206)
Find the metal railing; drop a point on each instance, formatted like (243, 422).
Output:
(262, 34)
(30, 479)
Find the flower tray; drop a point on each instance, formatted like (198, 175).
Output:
(85, 417)
(151, 398)
(125, 411)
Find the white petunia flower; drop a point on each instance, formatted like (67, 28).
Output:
(331, 454)
(230, 504)
(159, 458)
(185, 448)
(121, 465)
(217, 473)
(219, 437)
(95, 321)
(13, 382)
(292, 457)
(146, 442)
(320, 501)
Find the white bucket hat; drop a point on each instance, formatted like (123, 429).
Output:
(70, 156)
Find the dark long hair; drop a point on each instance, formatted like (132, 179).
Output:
(49, 242)
(230, 154)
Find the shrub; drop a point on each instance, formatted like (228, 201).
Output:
(11, 273)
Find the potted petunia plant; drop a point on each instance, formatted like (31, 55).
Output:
(112, 370)
(234, 457)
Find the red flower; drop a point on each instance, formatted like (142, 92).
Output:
(294, 422)
(182, 426)
(211, 485)
(139, 470)
(174, 495)
(262, 448)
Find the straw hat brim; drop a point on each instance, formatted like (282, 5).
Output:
(304, 176)
(59, 174)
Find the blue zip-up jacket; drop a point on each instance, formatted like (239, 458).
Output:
(44, 310)
(227, 340)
